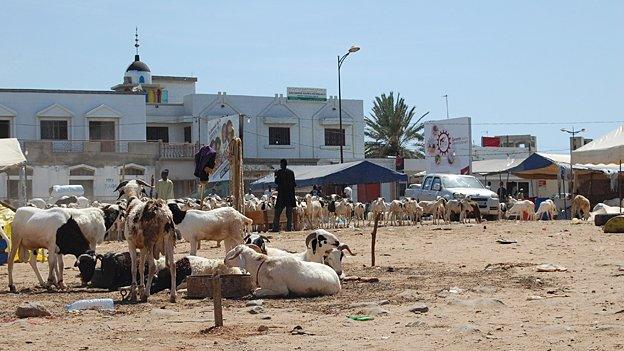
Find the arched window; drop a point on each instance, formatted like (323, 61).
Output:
(141, 80)
(83, 175)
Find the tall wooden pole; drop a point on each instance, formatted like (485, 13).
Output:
(374, 239)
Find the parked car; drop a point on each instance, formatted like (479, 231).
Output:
(452, 186)
(411, 190)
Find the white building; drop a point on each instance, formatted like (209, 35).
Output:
(150, 122)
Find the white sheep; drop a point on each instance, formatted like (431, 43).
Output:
(284, 275)
(358, 210)
(60, 231)
(37, 202)
(520, 207)
(396, 211)
(413, 210)
(344, 209)
(435, 208)
(314, 211)
(223, 223)
(547, 206)
(378, 208)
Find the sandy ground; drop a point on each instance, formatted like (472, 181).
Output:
(494, 308)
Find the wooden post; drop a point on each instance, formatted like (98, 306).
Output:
(374, 239)
(152, 187)
(216, 300)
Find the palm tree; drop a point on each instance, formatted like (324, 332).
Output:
(391, 129)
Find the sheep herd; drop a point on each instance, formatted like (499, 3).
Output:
(151, 228)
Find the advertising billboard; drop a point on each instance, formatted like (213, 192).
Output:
(448, 145)
(221, 131)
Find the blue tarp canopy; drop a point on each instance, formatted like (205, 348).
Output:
(542, 166)
(359, 172)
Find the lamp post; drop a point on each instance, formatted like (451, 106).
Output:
(341, 59)
(572, 132)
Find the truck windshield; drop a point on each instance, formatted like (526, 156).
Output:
(461, 182)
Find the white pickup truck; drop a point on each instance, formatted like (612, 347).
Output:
(450, 186)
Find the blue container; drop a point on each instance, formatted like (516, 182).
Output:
(4, 257)
(3, 245)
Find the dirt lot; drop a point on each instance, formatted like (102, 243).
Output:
(508, 306)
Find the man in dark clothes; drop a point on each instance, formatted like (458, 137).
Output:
(285, 180)
(502, 192)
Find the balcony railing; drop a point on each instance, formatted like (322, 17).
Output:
(159, 149)
(182, 150)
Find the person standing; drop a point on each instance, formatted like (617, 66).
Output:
(502, 192)
(164, 187)
(285, 181)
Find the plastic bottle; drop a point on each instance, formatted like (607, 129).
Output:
(91, 304)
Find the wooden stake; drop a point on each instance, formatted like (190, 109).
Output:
(216, 300)
(374, 239)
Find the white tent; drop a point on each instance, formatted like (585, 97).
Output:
(608, 149)
(10, 153)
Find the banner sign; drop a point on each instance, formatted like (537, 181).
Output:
(221, 131)
(309, 94)
(448, 146)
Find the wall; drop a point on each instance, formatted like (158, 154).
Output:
(27, 103)
(306, 119)
(176, 88)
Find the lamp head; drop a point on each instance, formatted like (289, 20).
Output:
(354, 48)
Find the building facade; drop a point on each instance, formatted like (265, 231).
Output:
(148, 123)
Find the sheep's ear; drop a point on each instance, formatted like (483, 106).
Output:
(143, 183)
(255, 248)
(314, 242)
(121, 185)
(234, 253)
(78, 262)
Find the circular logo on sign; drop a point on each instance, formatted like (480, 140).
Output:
(444, 142)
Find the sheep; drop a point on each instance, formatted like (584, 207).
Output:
(520, 207)
(454, 207)
(223, 223)
(188, 266)
(83, 202)
(344, 209)
(320, 247)
(314, 211)
(378, 208)
(580, 206)
(134, 187)
(413, 211)
(435, 208)
(547, 206)
(396, 211)
(358, 210)
(149, 224)
(60, 231)
(283, 276)
(37, 202)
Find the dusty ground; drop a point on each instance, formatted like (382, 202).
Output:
(495, 308)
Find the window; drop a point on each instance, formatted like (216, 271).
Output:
(54, 130)
(99, 130)
(141, 80)
(158, 133)
(279, 136)
(5, 131)
(334, 137)
(437, 184)
(132, 171)
(81, 171)
(427, 183)
(187, 134)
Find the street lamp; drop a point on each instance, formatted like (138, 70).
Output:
(341, 59)
(572, 132)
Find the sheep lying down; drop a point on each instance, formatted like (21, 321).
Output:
(114, 271)
(284, 275)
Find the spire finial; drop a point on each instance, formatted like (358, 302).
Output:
(136, 39)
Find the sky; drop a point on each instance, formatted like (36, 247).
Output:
(515, 67)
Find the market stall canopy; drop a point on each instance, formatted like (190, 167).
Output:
(358, 172)
(495, 166)
(608, 149)
(542, 166)
(10, 152)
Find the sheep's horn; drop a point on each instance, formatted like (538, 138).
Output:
(309, 238)
(121, 185)
(143, 183)
(345, 247)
